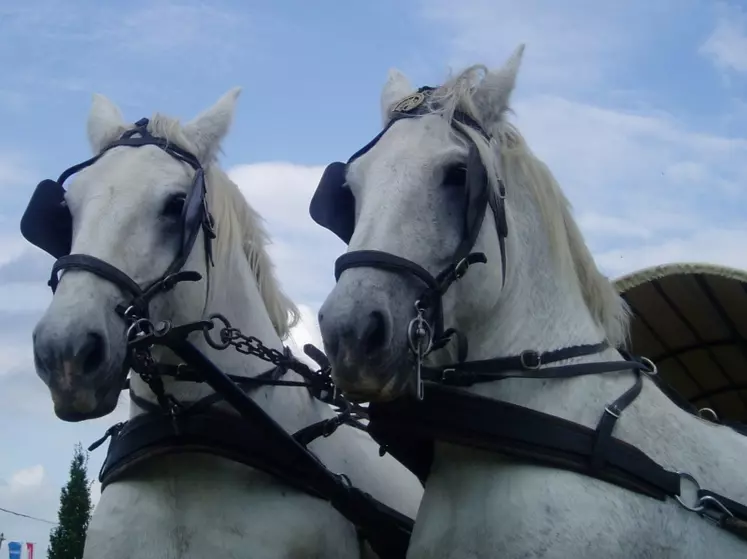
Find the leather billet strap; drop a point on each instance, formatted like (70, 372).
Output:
(462, 418)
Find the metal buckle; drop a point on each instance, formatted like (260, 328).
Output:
(612, 412)
(536, 357)
(652, 369)
(700, 506)
(446, 375)
(719, 505)
(461, 268)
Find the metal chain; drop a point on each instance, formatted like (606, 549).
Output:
(249, 345)
(228, 336)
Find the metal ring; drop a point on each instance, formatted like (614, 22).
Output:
(713, 414)
(698, 506)
(137, 327)
(652, 369)
(428, 334)
(226, 325)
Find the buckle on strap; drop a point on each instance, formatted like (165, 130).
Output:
(530, 360)
(461, 268)
(651, 370)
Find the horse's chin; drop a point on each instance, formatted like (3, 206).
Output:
(87, 399)
(379, 386)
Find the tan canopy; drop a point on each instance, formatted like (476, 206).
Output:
(691, 320)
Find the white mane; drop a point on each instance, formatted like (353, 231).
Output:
(520, 167)
(236, 222)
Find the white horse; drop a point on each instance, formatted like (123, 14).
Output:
(481, 504)
(125, 209)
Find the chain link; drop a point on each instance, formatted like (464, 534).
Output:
(147, 368)
(250, 345)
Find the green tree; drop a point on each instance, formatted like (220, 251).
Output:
(67, 539)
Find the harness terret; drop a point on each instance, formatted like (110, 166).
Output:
(253, 437)
(408, 427)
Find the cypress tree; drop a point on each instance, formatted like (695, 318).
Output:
(67, 539)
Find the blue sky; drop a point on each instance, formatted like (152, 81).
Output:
(640, 109)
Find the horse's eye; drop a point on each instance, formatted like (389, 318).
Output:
(174, 205)
(455, 175)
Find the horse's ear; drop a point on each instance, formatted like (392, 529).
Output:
(209, 128)
(491, 97)
(105, 123)
(397, 86)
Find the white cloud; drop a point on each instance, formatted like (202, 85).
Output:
(164, 26)
(26, 478)
(726, 46)
(25, 296)
(603, 152)
(12, 246)
(280, 191)
(79, 49)
(14, 171)
(571, 45)
(646, 188)
(303, 252)
(714, 246)
(15, 358)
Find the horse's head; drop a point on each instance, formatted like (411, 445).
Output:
(131, 217)
(428, 191)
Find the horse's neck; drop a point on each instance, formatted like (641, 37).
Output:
(234, 294)
(541, 310)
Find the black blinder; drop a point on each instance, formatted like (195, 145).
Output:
(333, 204)
(46, 222)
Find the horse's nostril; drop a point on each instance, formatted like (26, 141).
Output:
(91, 352)
(374, 334)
